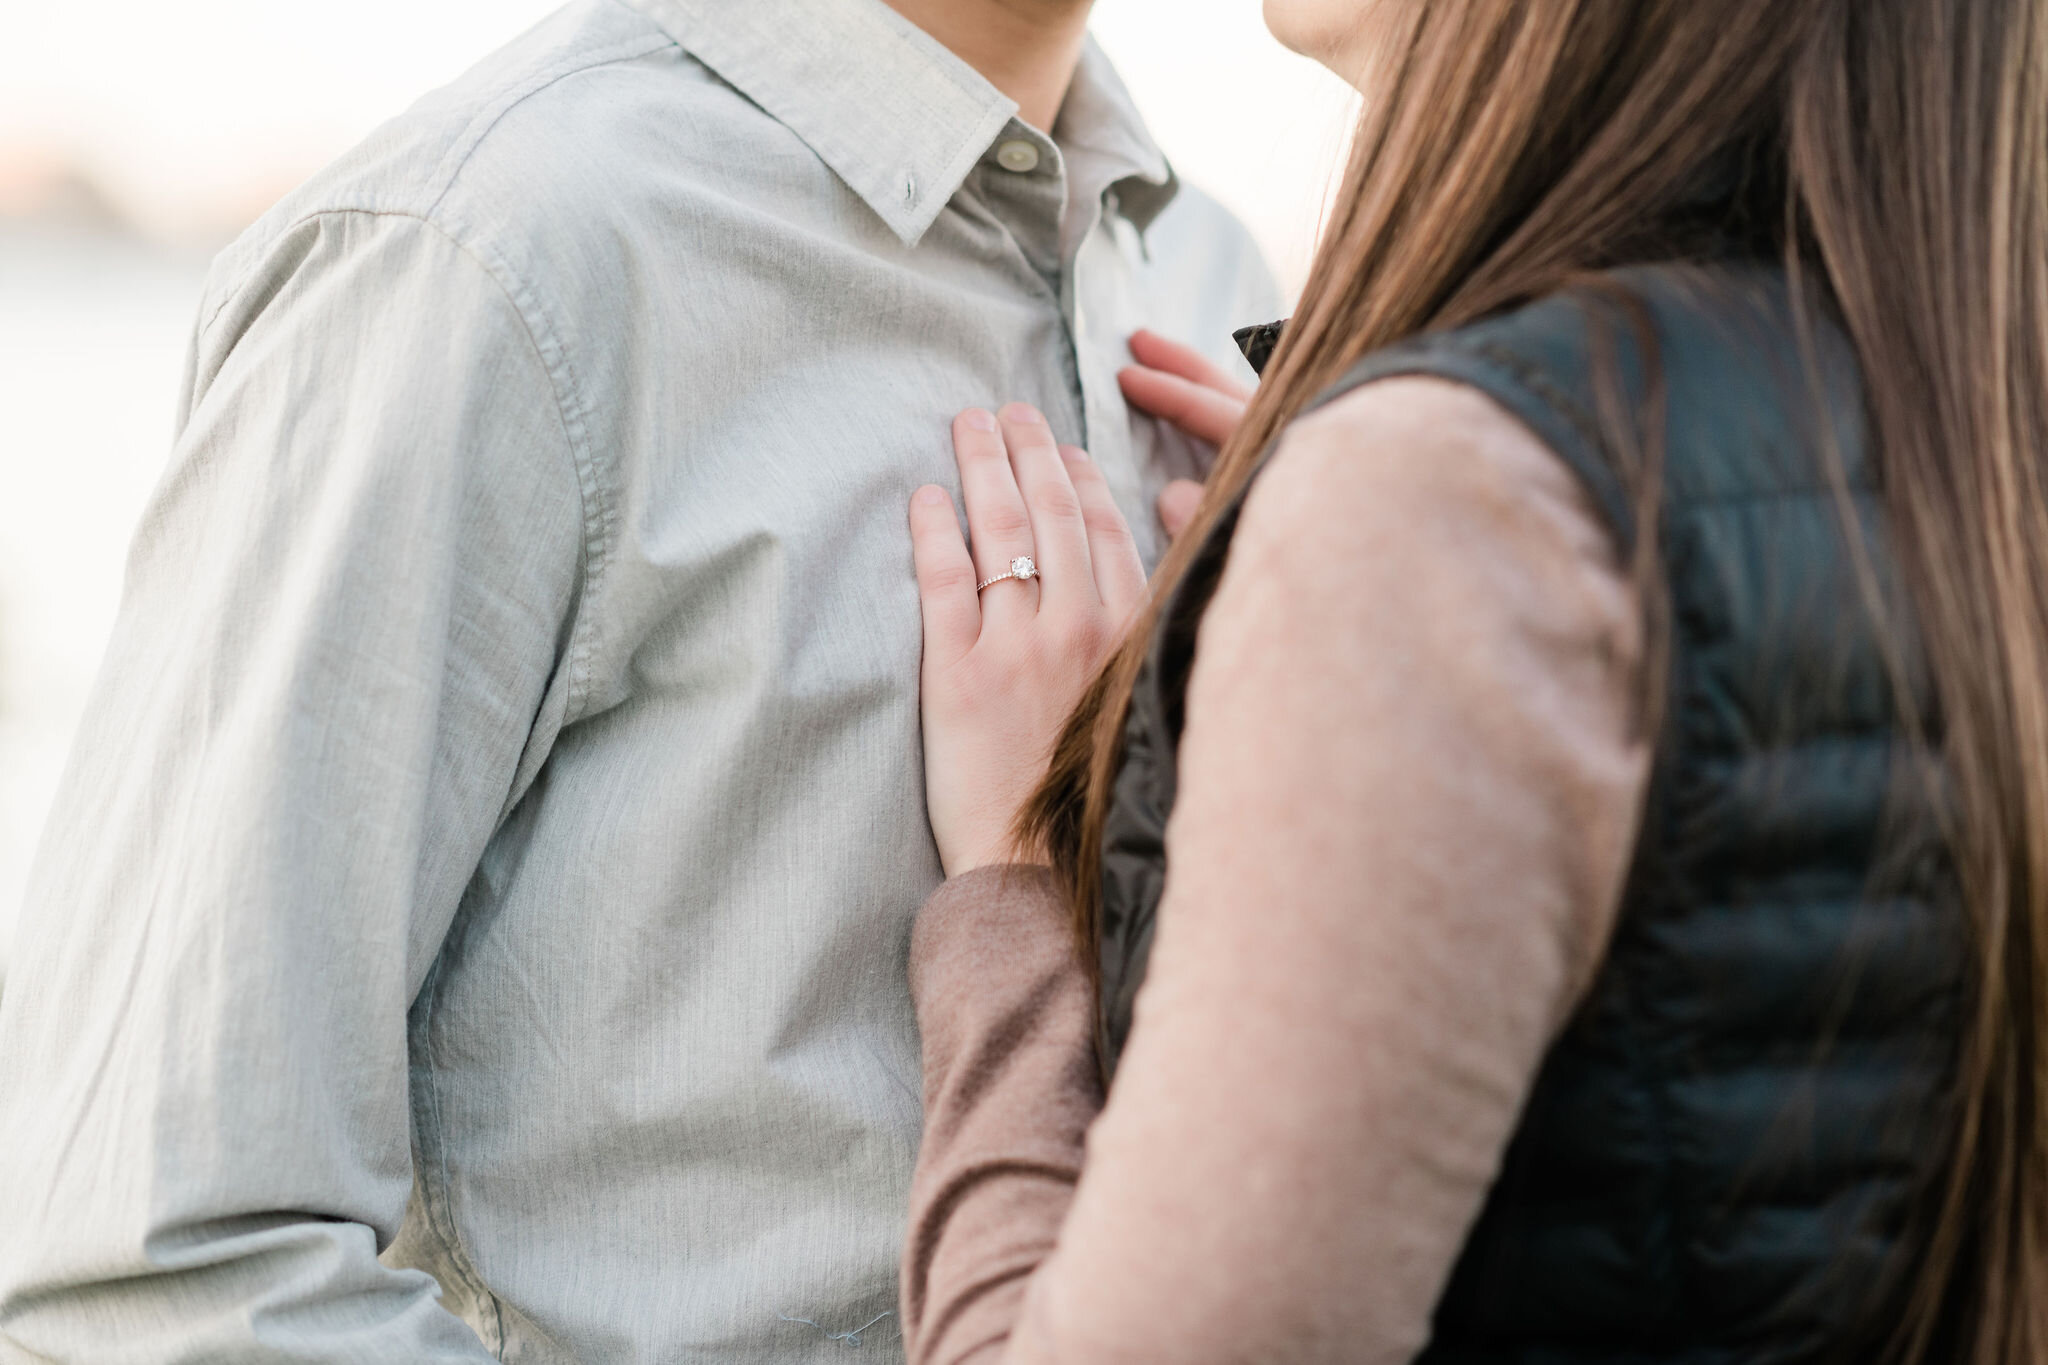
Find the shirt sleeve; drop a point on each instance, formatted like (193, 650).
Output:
(1411, 779)
(344, 624)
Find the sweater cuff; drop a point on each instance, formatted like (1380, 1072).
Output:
(991, 920)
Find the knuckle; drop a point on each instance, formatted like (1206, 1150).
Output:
(1057, 500)
(1006, 521)
(949, 578)
(1082, 639)
(1106, 523)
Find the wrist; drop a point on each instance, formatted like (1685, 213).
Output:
(1002, 856)
(957, 860)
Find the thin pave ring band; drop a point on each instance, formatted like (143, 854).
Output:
(1021, 568)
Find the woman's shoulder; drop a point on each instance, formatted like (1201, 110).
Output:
(1415, 446)
(1677, 340)
(1429, 490)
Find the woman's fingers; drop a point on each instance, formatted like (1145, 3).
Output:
(1205, 413)
(1160, 353)
(1177, 504)
(1057, 531)
(1176, 384)
(945, 577)
(1119, 574)
(998, 523)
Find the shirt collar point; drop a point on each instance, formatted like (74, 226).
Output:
(1142, 198)
(910, 223)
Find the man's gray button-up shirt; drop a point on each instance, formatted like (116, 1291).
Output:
(474, 920)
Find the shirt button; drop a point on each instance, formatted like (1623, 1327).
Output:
(1018, 155)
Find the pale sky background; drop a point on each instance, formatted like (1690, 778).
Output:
(195, 114)
(185, 106)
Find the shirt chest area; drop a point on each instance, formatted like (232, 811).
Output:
(772, 425)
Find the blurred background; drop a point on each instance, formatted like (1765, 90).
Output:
(139, 136)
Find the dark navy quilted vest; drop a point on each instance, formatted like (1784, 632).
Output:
(1721, 1153)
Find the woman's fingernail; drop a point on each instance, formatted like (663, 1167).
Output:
(1023, 414)
(979, 419)
(931, 495)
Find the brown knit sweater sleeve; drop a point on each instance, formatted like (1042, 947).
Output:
(1410, 782)
(1011, 1086)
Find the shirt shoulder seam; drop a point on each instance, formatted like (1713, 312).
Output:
(594, 487)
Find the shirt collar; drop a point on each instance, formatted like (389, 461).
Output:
(1100, 120)
(895, 114)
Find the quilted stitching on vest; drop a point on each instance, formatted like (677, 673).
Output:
(1721, 1152)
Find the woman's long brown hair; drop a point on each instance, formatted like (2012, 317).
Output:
(1896, 152)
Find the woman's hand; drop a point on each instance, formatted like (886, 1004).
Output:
(1175, 384)
(1004, 668)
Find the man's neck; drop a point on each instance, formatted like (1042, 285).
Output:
(1027, 49)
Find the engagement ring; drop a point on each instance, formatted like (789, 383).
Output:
(1021, 568)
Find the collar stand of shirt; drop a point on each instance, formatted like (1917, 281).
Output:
(901, 119)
